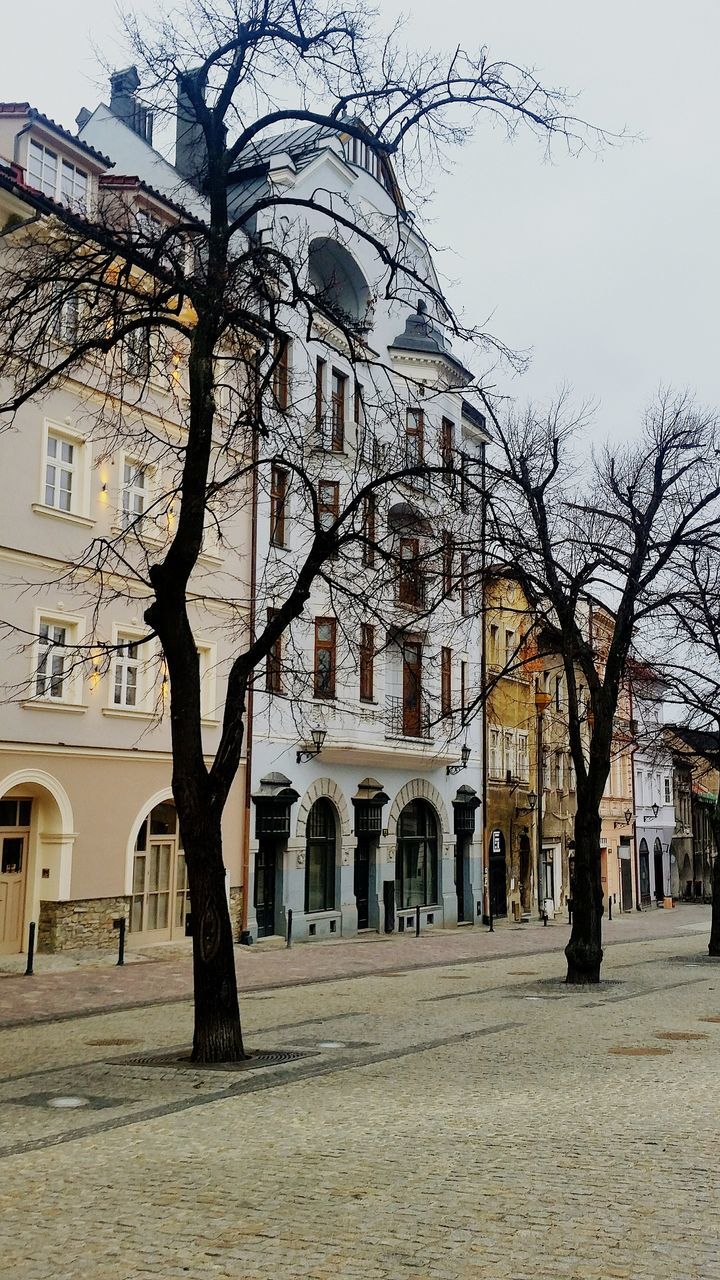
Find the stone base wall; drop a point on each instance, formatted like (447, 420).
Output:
(65, 926)
(236, 901)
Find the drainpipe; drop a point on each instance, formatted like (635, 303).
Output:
(245, 936)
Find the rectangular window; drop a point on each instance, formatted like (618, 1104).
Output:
(127, 670)
(494, 645)
(320, 396)
(337, 411)
(367, 663)
(668, 791)
(410, 584)
(559, 770)
(325, 657)
(137, 354)
(465, 593)
(278, 500)
(61, 180)
(134, 493)
(446, 682)
(369, 530)
(359, 405)
(65, 314)
(59, 472)
(523, 763)
(328, 503)
(448, 565)
(447, 449)
(509, 649)
(509, 762)
(495, 754)
(414, 437)
(51, 672)
(273, 662)
(570, 773)
(546, 770)
(281, 372)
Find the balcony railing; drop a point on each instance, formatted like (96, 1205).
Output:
(408, 718)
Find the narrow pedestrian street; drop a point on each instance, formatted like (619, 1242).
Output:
(432, 1114)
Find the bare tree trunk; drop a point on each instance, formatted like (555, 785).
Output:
(584, 950)
(714, 943)
(217, 1035)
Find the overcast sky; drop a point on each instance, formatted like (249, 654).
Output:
(606, 267)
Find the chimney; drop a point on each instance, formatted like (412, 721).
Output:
(123, 103)
(190, 147)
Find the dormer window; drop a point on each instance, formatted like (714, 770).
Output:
(57, 177)
(362, 156)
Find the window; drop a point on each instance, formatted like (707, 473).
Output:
(134, 493)
(320, 395)
(416, 857)
(369, 530)
(337, 411)
(278, 500)
(320, 858)
(410, 584)
(207, 659)
(559, 770)
(127, 665)
(367, 661)
(447, 447)
(509, 762)
(494, 645)
(523, 762)
(414, 437)
(546, 770)
(495, 753)
(52, 661)
(273, 662)
(446, 682)
(65, 313)
(325, 657)
(359, 405)
(328, 504)
(668, 790)
(509, 649)
(448, 558)
(464, 585)
(281, 371)
(137, 354)
(59, 179)
(59, 472)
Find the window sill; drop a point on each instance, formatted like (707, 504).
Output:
(48, 704)
(40, 509)
(130, 713)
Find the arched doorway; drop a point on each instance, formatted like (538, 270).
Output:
(320, 857)
(416, 857)
(15, 819)
(659, 871)
(36, 836)
(644, 859)
(160, 896)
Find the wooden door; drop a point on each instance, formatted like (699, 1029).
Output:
(412, 685)
(13, 870)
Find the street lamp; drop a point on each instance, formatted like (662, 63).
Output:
(531, 802)
(308, 753)
(464, 757)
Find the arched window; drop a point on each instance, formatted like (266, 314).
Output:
(416, 860)
(338, 280)
(320, 858)
(160, 897)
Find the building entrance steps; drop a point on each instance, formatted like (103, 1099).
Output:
(160, 976)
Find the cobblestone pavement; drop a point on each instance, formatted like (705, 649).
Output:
(473, 1118)
(75, 982)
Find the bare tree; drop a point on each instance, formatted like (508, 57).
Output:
(208, 301)
(609, 531)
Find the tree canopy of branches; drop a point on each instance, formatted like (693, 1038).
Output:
(616, 529)
(211, 295)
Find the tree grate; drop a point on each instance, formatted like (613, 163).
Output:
(182, 1061)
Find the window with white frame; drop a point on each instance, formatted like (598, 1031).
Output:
(495, 754)
(509, 648)
(509, 753)
(523, 763)
(571, 782)
(207, 654)
(546, 770)
(640, 787)
(559, 770)
(57, 177)
(66, 314)
(126, 682)
(667, 785)
(135, 492)
(60, 464)
(51, 671)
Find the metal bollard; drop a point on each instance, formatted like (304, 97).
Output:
(31, 950)
(545, 919)
(289, 929)
(609, 908)
(121, 925)
(491, 929)
(417, 922)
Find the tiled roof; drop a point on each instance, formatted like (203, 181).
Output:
(132, 180)
(24, 108)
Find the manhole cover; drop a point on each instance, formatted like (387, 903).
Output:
(681, 1035)
(331, 1044)
(639, 1051)
(69, 1102)
(63, 1101)
(181, 1060)
(111, 1041)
